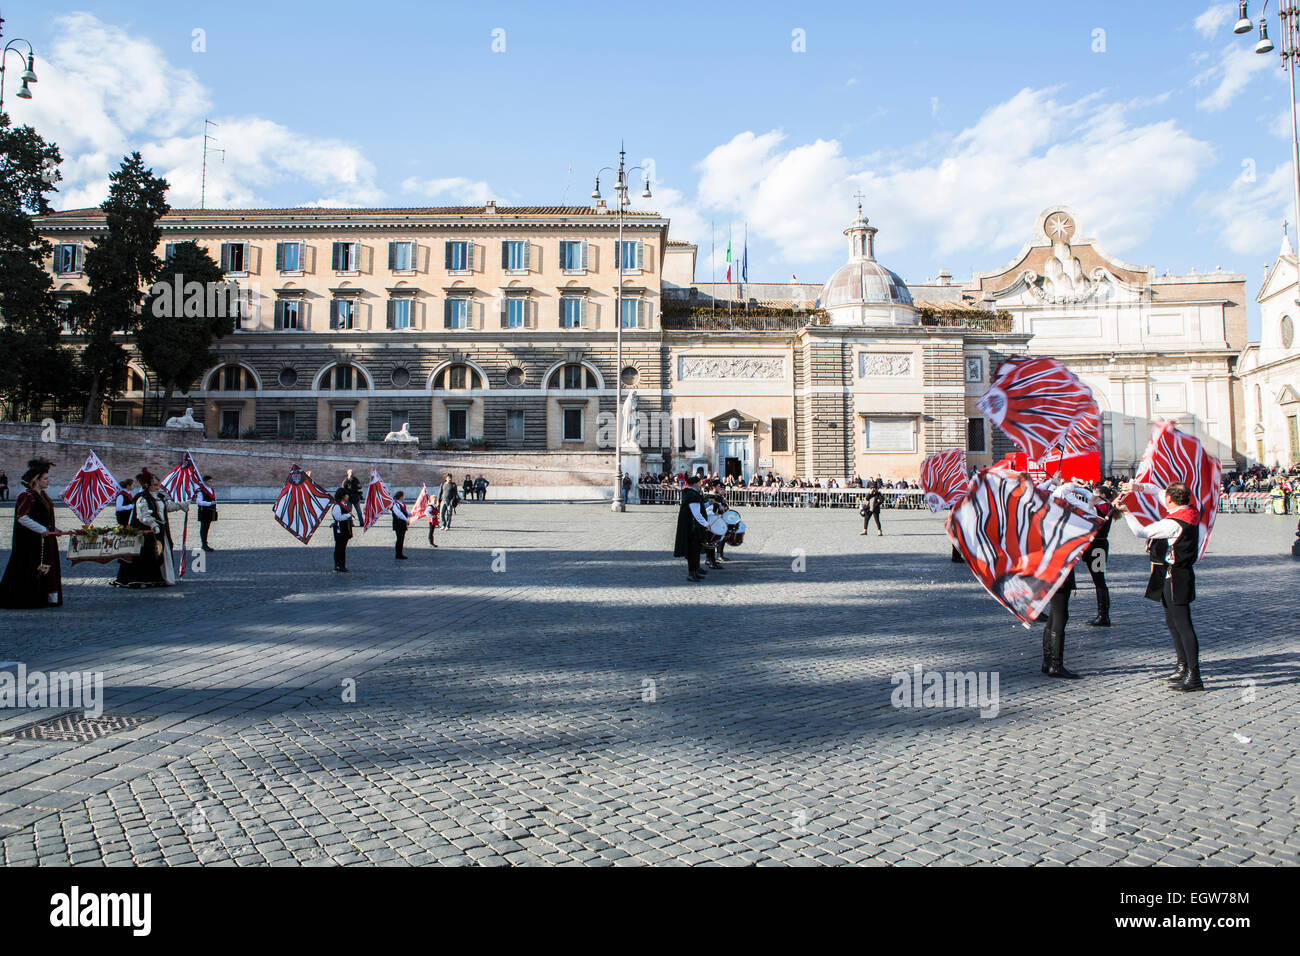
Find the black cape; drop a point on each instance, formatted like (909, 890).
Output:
(689, 532)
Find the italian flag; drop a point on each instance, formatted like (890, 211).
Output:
(728, 260)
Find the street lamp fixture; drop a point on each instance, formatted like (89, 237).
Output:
(620, 188)
(27, 76)
(1243, 20)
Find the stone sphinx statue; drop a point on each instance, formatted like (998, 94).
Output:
(402, 435)
(185, 421)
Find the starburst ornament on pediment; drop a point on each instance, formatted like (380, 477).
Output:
(1059, 226)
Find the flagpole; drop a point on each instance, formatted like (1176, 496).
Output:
(744, 265)
(731, 293)
(713, 271)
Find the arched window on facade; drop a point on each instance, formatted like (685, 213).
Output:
(344, 378)
(457, 377)
(572, 377)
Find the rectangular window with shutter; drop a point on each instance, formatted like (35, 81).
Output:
(169, 250)
(288, 314)
(288, 257)
(571, 309)
(285, 424)
(458, 424)
(342, 314)
(573, 255)
(67, 258)
(514, 425)
(780, 435)
(631, 312)
(573, 424)
(457, 255)
(629, 255)
(456, 313)
(514, 255)
(401, 256)
(516, 312)
(889, 434)
(399, 313)
(686, 434)
(975, 435)
(234, 257)
(345, 257)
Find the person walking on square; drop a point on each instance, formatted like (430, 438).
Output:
(448, 498)
(401, 520)
(1173, 544)
(207, 502)
(342, 515)
(691, 528)
(352, 485)
(4, 486)
(871, 509)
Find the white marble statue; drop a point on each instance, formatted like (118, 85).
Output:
(402, 435)
(631, 437)
(185, 421)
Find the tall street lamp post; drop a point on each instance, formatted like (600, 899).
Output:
(1289, 32)
(28, 75)
(620, 188)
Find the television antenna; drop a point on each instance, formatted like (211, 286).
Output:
(203, 183)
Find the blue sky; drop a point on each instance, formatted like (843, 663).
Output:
(958, 121)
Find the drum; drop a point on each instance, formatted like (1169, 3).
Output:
(736, 535)
(717, 531)
(732, 517)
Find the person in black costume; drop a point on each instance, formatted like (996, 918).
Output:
(342, 515)
(1098, 555)
(1173, 544)
(870, 509)
(691, 529)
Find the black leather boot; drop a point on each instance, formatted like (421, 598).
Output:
(1047, 649)
(1101, 620)
(1179, 673)
(1192, 681)
(1055, 667)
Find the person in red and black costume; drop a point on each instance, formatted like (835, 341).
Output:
(32, 578)
(1173, 543)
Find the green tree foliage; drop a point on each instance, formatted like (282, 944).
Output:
(119, 268)
(36, 369)
(190, 307)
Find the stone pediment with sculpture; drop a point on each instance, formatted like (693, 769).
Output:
(1058, 269)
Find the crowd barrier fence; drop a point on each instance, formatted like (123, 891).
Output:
(901, 498)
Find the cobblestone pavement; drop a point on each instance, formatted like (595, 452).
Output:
(546, 687)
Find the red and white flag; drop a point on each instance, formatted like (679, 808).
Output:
(1037, 402)
(301, 505)
(90, 489)
(1020, 542)
(1176, 456)
(943, 479)
(421, 507)
(378, 501)
(184, 482)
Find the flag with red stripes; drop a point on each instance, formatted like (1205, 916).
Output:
(301, 505)
(1038, 402)
(185, 482)
(92, 487)
(378, 501)
(943, 479)
(1020, 542)
(1176, 456)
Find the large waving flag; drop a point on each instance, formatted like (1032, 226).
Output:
(302, 505)
(90, 489)
(184, 482)
(1020, 542)
(943, 479)
(421, 507)
(1176, 456)
(378, 501)
(1037, 402)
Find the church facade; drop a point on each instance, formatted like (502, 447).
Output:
(1270, 368)
(497, 327)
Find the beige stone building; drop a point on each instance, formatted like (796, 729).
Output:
(1270, 369)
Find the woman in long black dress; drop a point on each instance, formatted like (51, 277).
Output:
(152, 566)
(32, 578)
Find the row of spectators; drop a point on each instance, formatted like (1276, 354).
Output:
(771, 480)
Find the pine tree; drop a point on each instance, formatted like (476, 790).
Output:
(119, 268)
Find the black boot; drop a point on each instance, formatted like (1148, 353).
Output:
(1101, 620)
(1047, 649)
(1056, 668)
(1179, 673)
(1192, 681)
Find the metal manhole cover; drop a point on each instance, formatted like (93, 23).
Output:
(79, 728)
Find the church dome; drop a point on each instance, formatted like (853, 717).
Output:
(864, 281)
(862, 291)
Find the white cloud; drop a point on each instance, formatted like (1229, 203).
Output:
(104, 93)
(1238, 63)
(459, 190)
(1214, 17)
(1248, 214)
(977, 190)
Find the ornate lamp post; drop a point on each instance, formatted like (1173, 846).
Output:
(620, 188)
(28, 75)
(1289, 32)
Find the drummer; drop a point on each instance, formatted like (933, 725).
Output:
(717, 507)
